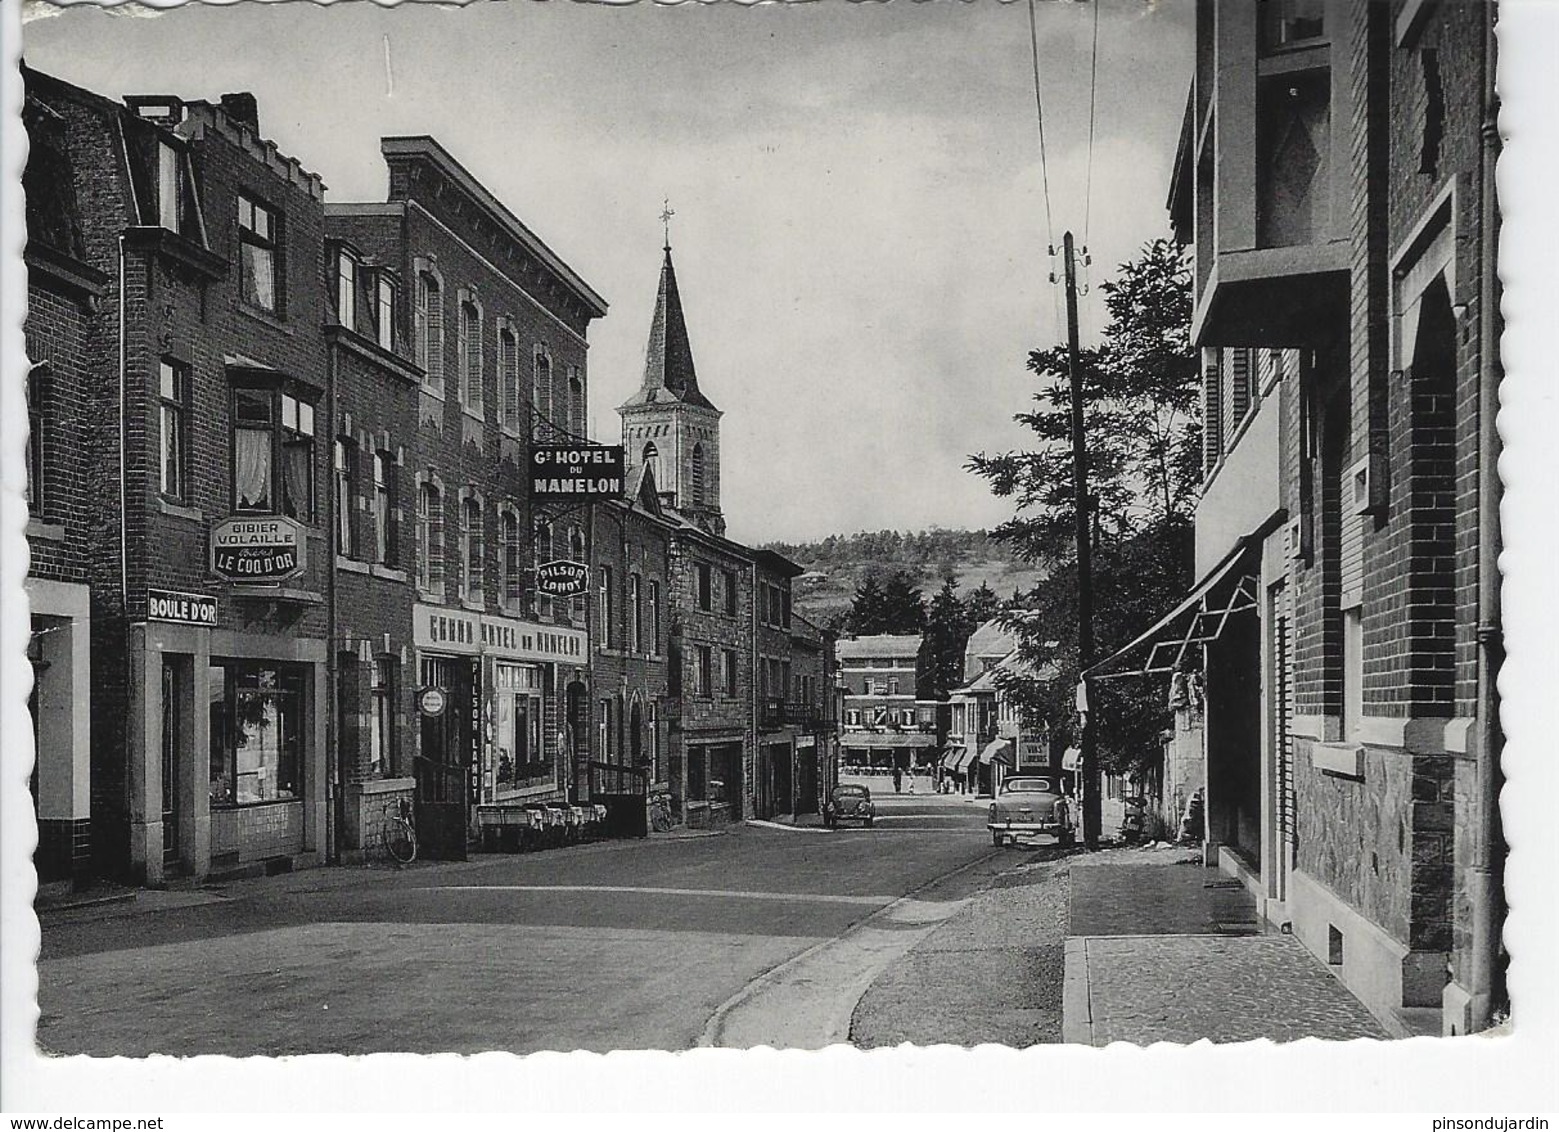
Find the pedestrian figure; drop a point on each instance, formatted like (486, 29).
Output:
(898, 779)
(911, 782)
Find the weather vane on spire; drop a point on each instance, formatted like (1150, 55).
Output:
(666, 213)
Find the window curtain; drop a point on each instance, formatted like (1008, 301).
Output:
(253, 469)
(260, 276)
(297, 461)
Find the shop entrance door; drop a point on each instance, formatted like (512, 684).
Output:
(445, 763)
(784, 792)
(173, 738)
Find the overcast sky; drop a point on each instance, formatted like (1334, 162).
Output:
(860, 230)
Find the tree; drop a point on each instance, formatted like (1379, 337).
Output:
(940, 665)
(866, 610)
(1141, 405)
(904, 607)
(981, 605)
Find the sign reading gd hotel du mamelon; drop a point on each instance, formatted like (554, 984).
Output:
(578, 473)
(267, 548)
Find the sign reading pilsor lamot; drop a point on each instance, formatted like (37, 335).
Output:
(562, 579)
(267, 549)
(580, 472)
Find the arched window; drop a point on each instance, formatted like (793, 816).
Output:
(430, 331)
(509, 379)
(576, 402)
(541, 396)
(430, 539)
(470, 351)
(697, 484)
(576, 553)
(541, 553)
(636, 735)
(651, 460)
(471, 549)
(509, 533)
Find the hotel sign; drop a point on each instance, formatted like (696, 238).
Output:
(268, 549)
(436, 628)
(562, 579)
(180, 608)
(578, 473)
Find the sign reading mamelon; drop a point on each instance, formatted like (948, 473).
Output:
(580, 472)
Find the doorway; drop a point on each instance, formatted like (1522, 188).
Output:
(175, 738)
(446, 763)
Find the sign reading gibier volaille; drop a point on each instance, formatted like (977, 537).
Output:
(580, 472)
(268, 549)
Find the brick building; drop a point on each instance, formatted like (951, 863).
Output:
(204, 372)
(813, 710)
(1335, 181)
(497, 329)
(630, 547)
(66, 296)
(781, 719)
(884, 725)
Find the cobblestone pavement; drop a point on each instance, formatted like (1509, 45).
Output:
(992, 973)
(1184, 988)
(1180, 897)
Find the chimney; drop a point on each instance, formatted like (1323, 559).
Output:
(243, 109)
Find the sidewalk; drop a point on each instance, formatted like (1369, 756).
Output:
(1136, 945)
(1162, 949)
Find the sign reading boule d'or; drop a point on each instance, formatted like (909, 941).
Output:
(580, 472)
(181, 608)
(562, 579)
(265, 549)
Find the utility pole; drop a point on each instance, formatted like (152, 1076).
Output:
(1090, 754)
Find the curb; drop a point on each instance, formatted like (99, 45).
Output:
(714, 1029)
(761, 824)
(1076, 999)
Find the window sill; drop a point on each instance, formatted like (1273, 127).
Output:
(231, 806)
(472, 414)
(351, 565)
(268, 318)
(434, 597)
(1339, 760)
(180, 511)
(389, 573)
(45, 532)
(476, 606)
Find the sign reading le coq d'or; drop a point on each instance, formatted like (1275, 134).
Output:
(266, 549)
(580, 472)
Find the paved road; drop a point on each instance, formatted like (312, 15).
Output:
(649, 944)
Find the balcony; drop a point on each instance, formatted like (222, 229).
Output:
(1261, 182)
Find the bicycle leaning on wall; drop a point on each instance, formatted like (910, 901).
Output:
(399, 832)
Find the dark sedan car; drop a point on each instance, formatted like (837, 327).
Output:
(849, 803)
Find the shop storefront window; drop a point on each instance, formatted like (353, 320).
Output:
(518, 750)
(381, 721)
(256, 733)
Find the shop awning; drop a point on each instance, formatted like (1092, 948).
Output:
(966, 755)
(953, 754)
(1229, 588)
(997, 750)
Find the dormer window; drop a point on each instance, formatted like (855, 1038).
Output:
(384, 309)
(346, 289)
(258, 239)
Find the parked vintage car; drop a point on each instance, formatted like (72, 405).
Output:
(849, 802)
(1029, 805)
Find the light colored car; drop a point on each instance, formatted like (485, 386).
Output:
(1028, 805)
(849, 803)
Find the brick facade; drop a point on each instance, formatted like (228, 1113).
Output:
(1376, 319)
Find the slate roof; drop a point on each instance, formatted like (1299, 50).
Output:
(668, 359)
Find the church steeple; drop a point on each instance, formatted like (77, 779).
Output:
(669, 424)
(669, 373)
